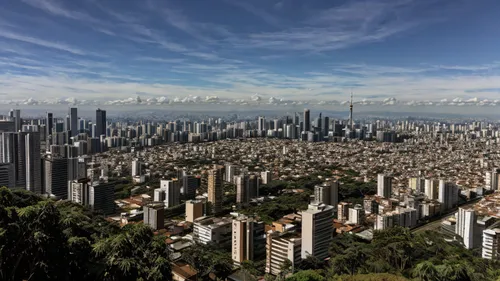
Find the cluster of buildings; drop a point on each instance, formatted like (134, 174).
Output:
(422, 170)
(477, 226)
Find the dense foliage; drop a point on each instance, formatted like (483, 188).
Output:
(45, 240)
(424, 256)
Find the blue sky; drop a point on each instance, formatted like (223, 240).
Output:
(291, 49)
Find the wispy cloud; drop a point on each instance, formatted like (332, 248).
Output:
(40, 42)
(342, 26)
(55, 8)
(263, 14)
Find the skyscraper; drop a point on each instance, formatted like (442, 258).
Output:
(262, 124)
(18, 122)
(215, 192)
(102, 197)
(317, 230)
(307, 120)
(431, 188)
(33, 159)
(7, 175)
(73, 121)
(49, 124)
(242, 189)
(100, 120)
(56, 176)
(384, 185)
(465, 226)
(190, 185)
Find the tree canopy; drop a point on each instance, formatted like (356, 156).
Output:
(41, 239)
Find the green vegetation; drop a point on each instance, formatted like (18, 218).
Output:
(372, 277)
(270, 211)
(423, 256)
(208, 259)
(45, 240)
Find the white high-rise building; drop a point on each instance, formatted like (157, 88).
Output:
(356, 214)
(466, 225)
(231, 172)
(266, 177)
(136, 168)
(79, 192)
(281, 247)
(492, 179)
(172, 191)
(384, 185)
(384, 221)
(491, 244)
(317, 230)
(431, 189)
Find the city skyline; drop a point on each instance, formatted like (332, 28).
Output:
(292, 50)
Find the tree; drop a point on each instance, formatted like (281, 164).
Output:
(134, 254)
(208, 259)
(426, 271)
(306, 275)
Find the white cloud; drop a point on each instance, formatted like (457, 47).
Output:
(40, 42)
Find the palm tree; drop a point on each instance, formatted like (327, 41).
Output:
(134, 254)
(426, 271)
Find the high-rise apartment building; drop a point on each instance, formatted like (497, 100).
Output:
(242, 189)
(266, 177)
(448, 195)
(417, 184)
(248, 239)
(357, 214)
(190, 184)
(154, 215)
(432, 189)
(172, 191)
(7, 178)
(327, 193)
(492, 179)
(102, 197)
(215, 192)
(491, 244)
(56, 176)
(79, 191)
(213, 230)
(384, 185)
(317, 230)
(136, 168)
(466, 226)
(281, 247)
(232, 171)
